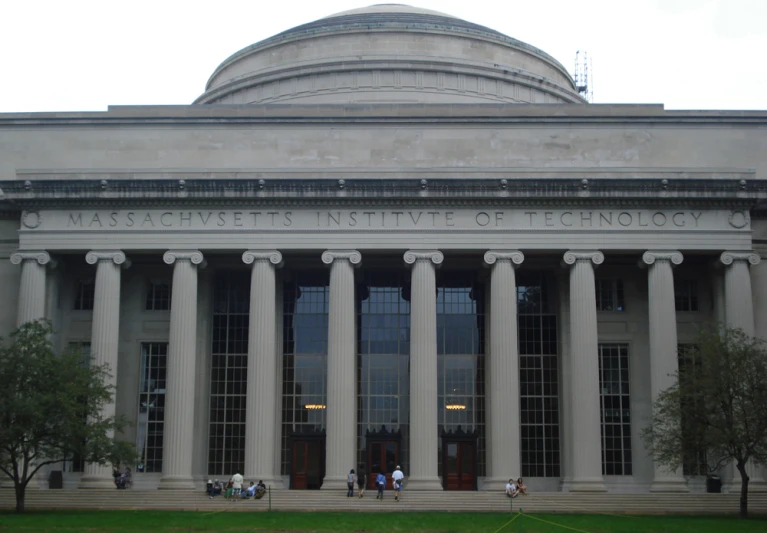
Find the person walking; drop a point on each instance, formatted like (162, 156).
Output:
(350, 480)
(380, 485)
(397, 478)
(362, 481)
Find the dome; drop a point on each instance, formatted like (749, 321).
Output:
(389, 53)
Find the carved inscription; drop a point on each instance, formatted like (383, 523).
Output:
(404, 219)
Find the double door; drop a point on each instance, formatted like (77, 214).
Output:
(308, 468)
(383, 456)
(459, 465)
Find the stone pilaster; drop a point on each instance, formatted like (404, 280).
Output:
(262, 392)
(423, 370)
(503, 424)
(31, 285)
(584, 367)
(105, 339)
(739, 313)
(663, 346)
(182, 354)
(341, 413)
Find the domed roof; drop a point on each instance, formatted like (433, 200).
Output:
(350, 57)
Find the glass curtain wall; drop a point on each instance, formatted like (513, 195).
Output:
(305, 357)
(228, 377)
(538, 375)
(460, 358)
(383, 333)
(150, 426)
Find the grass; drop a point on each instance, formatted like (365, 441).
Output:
(228, 522)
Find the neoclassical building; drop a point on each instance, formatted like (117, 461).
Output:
(388, 236)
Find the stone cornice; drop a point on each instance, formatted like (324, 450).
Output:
(413, 256)
(650, 257)
(271, 256)
(514, 256)
(353, 256)
(728, 258)
(571, 257)
(737, 189)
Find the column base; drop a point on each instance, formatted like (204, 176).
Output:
(756, 486)
(96, 482)
(669, 485)
(424, 483)
(270, 482)
(335, 483)
(496, 483)
(588, 485)
(177, 483)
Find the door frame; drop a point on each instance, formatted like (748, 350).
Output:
(381, 435)
(459, 435)
(303, 436)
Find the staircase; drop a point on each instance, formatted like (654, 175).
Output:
(287, 500)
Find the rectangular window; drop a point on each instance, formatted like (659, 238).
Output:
(158, 296)
(615, 409)
(686, 295)
(84, 294)
(151, 406)
(610, 295)
(538, 377)
(694, 461)
(76, 463)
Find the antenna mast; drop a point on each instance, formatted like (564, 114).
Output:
(583, 84)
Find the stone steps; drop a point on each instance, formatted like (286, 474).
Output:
(284, 500)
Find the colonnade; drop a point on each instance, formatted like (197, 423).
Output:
(502, 373)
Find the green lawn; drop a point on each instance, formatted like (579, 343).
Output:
(225, 522)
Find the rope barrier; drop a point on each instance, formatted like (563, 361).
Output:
(555, 524)
(509, 522)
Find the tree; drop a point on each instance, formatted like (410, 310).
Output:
(51, 408)
(718, 403)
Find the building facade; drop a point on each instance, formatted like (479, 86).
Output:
(385, 237)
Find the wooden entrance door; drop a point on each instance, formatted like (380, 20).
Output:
(307, 464)
(459, 465)
(383, 456)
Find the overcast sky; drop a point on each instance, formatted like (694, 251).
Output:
(80, 55)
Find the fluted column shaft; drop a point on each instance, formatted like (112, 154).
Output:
(663, 346)
(503, 370)
(584, 350)
(182, 354)
(341, 413)
(105, 337)
(261, 398)
(31, 304)
(739, 313)
(423, 370)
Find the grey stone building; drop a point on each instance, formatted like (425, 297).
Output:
(389, 236)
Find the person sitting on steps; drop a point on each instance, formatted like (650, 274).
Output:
(511, 489)
(521, 487)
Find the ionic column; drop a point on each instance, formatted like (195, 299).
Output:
(503, 377)
(182, 354)
(105, 338)
(584, 384)
(663, 346)
(31, 304)
(341, 413)
(262, 391)
(739, 313)
(423, 370)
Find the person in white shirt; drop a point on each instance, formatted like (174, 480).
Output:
(237, 480)
(250, 491)
(511, 489)
(397, 478)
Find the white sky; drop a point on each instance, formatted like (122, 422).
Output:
(80, 55)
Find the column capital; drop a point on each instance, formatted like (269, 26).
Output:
(193, 256)
(672, 256)
(571, 257)
(116, 256)
(271, 256)
(353, 256)
(728, 258)
(412, 256)
(42, 258)
(514, 256)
